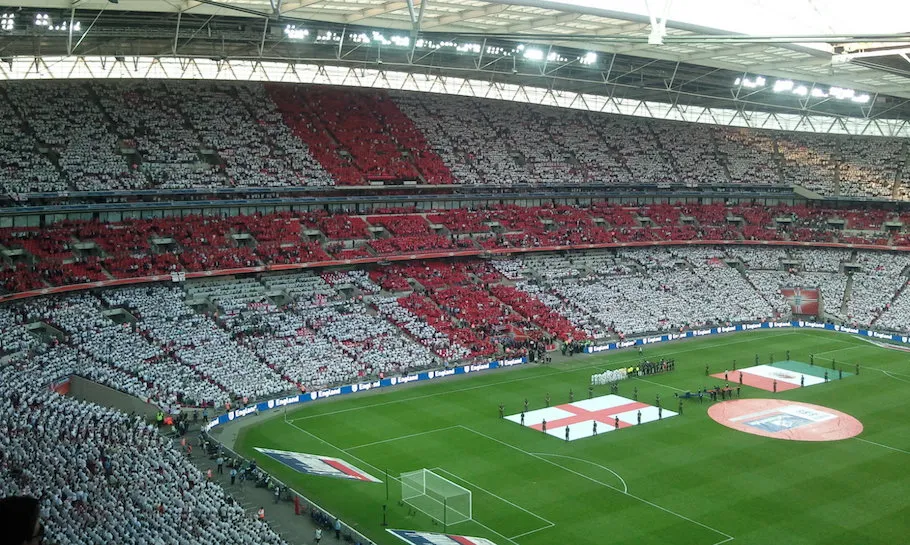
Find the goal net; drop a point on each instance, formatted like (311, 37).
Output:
(436, 496)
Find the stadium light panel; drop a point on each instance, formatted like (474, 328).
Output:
(294, 33)
(841, 93)
(588, 59)
(42, 19)
(802, 91)
(8, 21)
(818, 93)
(861, 99)
(533, 54)
(783, 85)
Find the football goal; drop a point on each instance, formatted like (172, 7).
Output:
(436, 496)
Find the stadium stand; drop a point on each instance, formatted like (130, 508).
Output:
(178, 135)
(106, 477)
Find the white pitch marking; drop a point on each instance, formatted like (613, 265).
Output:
(659, 384)
(472, 485)
(881, 445)
(399, 438)
(727, 537)
(625, 487)
(599, 365)
(841, 349)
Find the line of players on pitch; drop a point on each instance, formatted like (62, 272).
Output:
(614, 389)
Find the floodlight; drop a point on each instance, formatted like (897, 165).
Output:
(533, 54)
(782, 85)
(737, 81)
(818, 93)
(802, 91)
(841, 93)
(294, 33)
(861, 99)
(588, 58)
(759, 81)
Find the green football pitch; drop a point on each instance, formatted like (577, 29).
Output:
(686, 480)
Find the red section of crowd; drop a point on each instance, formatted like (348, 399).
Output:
(72, 252)
(359, 137)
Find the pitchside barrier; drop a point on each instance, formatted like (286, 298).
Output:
(361, 387)
(745, 327)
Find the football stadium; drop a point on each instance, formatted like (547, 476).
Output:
(437, 272)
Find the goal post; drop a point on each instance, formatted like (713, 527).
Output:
(436, 496)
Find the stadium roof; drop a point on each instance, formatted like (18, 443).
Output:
(711, 53)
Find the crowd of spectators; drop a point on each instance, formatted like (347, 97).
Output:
(72, 252)
(102, 476)
(57, 136)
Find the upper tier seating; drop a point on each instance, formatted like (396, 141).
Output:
(58, 136)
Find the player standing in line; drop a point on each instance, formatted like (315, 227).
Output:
(639, 418)
(526, 404)
(802, 381)
(501, 409)
(571, 396)
(548, 399)
(522, 418)
(826, 376)
(616, 422)
(707, 372)
(543, 426)
(775, 386)
(788, 355)
(680, 406)
(567, 433)
(595, 427)
(726, 379)
(590, 392)
(660, 412)
(635, 393)
(740, 378)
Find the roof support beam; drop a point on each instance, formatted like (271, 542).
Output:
(542, 22)
(294, 6)
(388, 7)
(465, 16)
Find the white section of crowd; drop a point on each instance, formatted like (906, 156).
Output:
(102, 476)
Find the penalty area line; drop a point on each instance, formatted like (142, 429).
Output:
(394, 478)
(392, 439)
(500, 498)
(727, 537)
